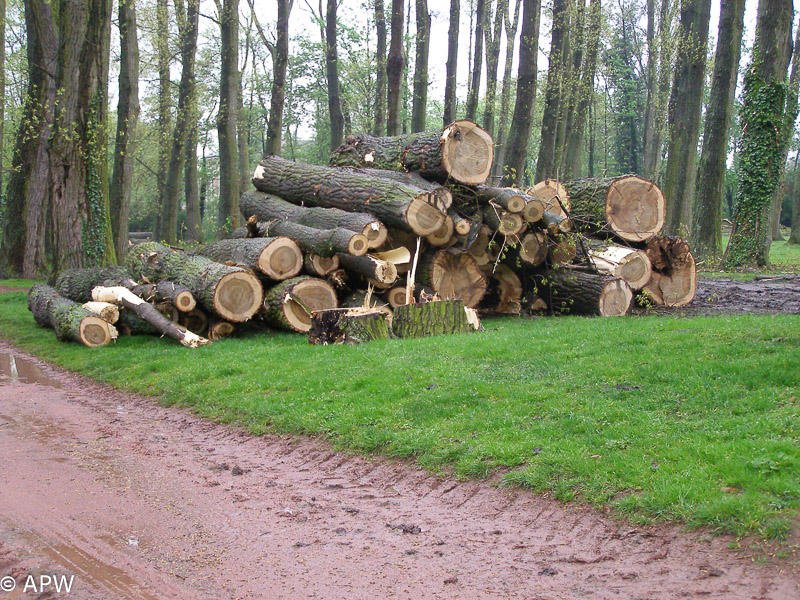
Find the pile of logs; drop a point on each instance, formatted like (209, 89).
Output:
(399, 236)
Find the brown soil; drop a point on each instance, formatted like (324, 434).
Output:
(5, 288)
(141, 501)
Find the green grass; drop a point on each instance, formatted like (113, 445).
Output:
(783, 258)
(688, 420)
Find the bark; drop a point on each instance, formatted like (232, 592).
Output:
(505, 92)
(164, 106)
(231, 292)
(77, 284)
(380, 66)
(127, 119)
(794, 236)
(290, 304)
(194, 220)
(762, 116)
(521, 123)
(71, 321)
(280, 60)
(25, 202)
(546, 162)
(163, 292)
(493, 36)
(325, 242)
(394, 204)
(706, 231)
(577, 292)
(477, 63)
(433, 318)
(685, 108)
(278, 258)
(395, 64)
(332, 75)
(376, 270)
(573, 48)
(228, 208)
(349, 326)
(420, 101)
(180, 136)
(673, 281)
(452, 63)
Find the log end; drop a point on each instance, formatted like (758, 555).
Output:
(397, 296)
(635, 208)
(462, 227)
(616, 299)
(511, 224)
(185, 302)
(423, 218)
(385, 272)
(677, 289)
(94, 331)
(306, 297)
(635, 269)
(443, 235)
(533, 248)
(552, 194)
(458, 277)
(358, 245)
(238, 296)
(320, 266)
(533, 210)
(281, 259)
(467, 152)
(376, 233)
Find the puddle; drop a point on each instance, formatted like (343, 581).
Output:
(18, 369)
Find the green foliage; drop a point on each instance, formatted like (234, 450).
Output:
(94, 228)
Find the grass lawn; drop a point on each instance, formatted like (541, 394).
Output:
(783, 258)
(663, 418)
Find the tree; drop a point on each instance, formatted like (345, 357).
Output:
(477, 63)
(706, 234)
(228, 207)
(2, 88)
(685, 107)
(395, 63)
(380, 66)
(505, 92)
(420, 103)
(163, 58)
(492, 36)
(762, 114)
(521, 122)
(452, 64)
(127, 119)
(332, 74)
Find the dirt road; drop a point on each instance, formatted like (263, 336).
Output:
(143, 502)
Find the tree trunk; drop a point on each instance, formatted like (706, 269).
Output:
(395, 64)
(505, 92)
(186, 100)
(685, 108)
(77, 284)
(164, 108)
(578, 292)
(420, 102)
(332, 75)
(794, 236)
(194, 221)
(278, 258)
(546, 163)
(452, 276)
(228, 208)
(290, 304)
(521, 123)
(462, 152)
(452, 63)
(433, 318)
(233, 293)
(706, 232)
(762, 116)
(651, 80)
(269, 208)
(380, 66)
(71, 321)
(280, 60)
(2, 91)
(349, 326)
(477, 63)
(127, 119)
(492, 36)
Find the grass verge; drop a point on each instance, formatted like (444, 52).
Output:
(687, 420)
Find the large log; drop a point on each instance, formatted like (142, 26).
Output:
(533, 248)
(268, 207)
(434, 318)
(453, 276)
(626, 263)
(504, 294)
(628, 207)
(77, 284)
(233, 293)
(349, 326)
(395, 204)
(69, 320)
(580, 292)
(438, 195)
(278, 258)
(677, 287)
(290, 304)
(462, 152)
(667, 252)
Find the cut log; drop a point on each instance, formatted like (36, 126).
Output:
(371, 267)
(396, 205)
(667, 253)
(77, 284)
(320, 266)
(533, 248)
(349, 326)
(462, 152)
(534, 210)
(561, 251)
(179, 295)
(218, 330)
(69, 320)
(278, 258)
(397, 296)
(506, 223)
(195, 320)
(553, 195)
(146, 311)
(438, 196)
(628, 207)
(168, 310)
(233, 293)
(511, 199)
(461, 225)
(290, 304)
(676, 289)
(442, 236)
(268, 207)
(325, 242)
(555, 223)
(626, 263)
(452, 276)
(105, 310)
(434, 318)
(579, 292)
(483, 249)
(504, 293)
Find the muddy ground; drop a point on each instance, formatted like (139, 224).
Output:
(138, 501)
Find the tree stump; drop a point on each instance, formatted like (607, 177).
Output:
(349, 326)
(433, 318)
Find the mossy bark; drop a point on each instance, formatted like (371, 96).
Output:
(430, 318)
(77, 284)
(348, 326)
(68, 319)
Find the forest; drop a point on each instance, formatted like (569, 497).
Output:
(123, 116)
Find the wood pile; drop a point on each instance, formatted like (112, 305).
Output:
(357, 250)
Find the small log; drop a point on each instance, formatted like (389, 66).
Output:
(325, 242)
(561, 251)
(555, 223)
(218, 329)
(290, 304)
(69, 320)
(504, 222)
(195, 320)
(131, 324)
(77, 284)
(397, 296)
(319, 266)
(179, 295)
(147, 312)
(462, 152)
(434, 318)
(484, 249)
(628, 207)
(105, 310)
(675, 289)
(579, 292)
(461, 225)
(268, 207)
(371, 267)
(452, 276)
(626, 263)
(534, 210)
(278, 258)
(396, 205)
(533, 248)
(552, 194)
(511, 199)
(349, 326)
(442, 236)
